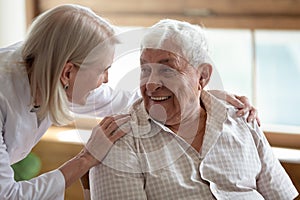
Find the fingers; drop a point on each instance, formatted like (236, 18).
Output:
(252, 115)
(244, 101)
(235, 101)
(118, 134)
(258, 121)
(246, 106)
(113, 127)
(107, 120)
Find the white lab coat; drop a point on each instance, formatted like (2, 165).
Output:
(20, 130)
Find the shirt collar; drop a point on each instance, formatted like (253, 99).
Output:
(142, 123)
(216, 116)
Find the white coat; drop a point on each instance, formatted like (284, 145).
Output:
(20, 130)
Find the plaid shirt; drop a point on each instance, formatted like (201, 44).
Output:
(235, 161)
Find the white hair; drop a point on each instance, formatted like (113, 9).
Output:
(181, 38)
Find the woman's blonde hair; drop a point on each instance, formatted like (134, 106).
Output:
(67, 33)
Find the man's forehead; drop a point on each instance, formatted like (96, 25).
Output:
(160, 55)
(150, 52)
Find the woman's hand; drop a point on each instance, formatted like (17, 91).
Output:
(247, 107)
(102, 138)
(240, 102)
(105, 134)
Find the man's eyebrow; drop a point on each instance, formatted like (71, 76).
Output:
(165, 60)
(160, 61)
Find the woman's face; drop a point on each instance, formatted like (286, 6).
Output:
(88, 78)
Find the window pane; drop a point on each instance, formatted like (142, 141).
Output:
(231, 51)
(278, 83)
(125, 71)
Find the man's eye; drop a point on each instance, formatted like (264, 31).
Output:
(145, 71)
(168, 71)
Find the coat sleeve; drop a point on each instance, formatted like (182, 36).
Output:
(50, 185)
(105, 101)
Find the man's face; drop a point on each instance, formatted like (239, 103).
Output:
(169, 86)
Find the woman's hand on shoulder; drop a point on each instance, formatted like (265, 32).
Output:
(242, 103)
(106, 133)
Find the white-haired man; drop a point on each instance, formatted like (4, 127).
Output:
(185, 143)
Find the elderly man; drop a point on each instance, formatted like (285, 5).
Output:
(185, 143)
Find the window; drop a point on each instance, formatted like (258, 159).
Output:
(278, 76)
(231, 52)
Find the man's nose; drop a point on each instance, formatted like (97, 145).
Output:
(154, 82)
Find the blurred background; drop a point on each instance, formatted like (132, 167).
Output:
(255, 46)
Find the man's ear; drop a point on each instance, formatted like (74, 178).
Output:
(66, 74)
(205, 73)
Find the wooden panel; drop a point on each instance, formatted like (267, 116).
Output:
(293, 171)
(31, 10)
(254, 14)
(210, 22)
(121, 6)
(285, 140)
(54, 154)
(242, 7)
(226, 7)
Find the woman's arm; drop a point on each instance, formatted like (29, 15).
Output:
(46, 186)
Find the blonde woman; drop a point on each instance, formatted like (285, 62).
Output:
(65, 56)
(38, 78)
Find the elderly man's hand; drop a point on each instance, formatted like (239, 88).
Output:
(240, 102)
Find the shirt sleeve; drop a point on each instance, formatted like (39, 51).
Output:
(273, 182)
(118, 176)
(50, 185)
(105, 101)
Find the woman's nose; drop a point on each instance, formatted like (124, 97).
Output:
(105, 78)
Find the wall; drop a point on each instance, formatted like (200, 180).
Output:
(12, 21)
